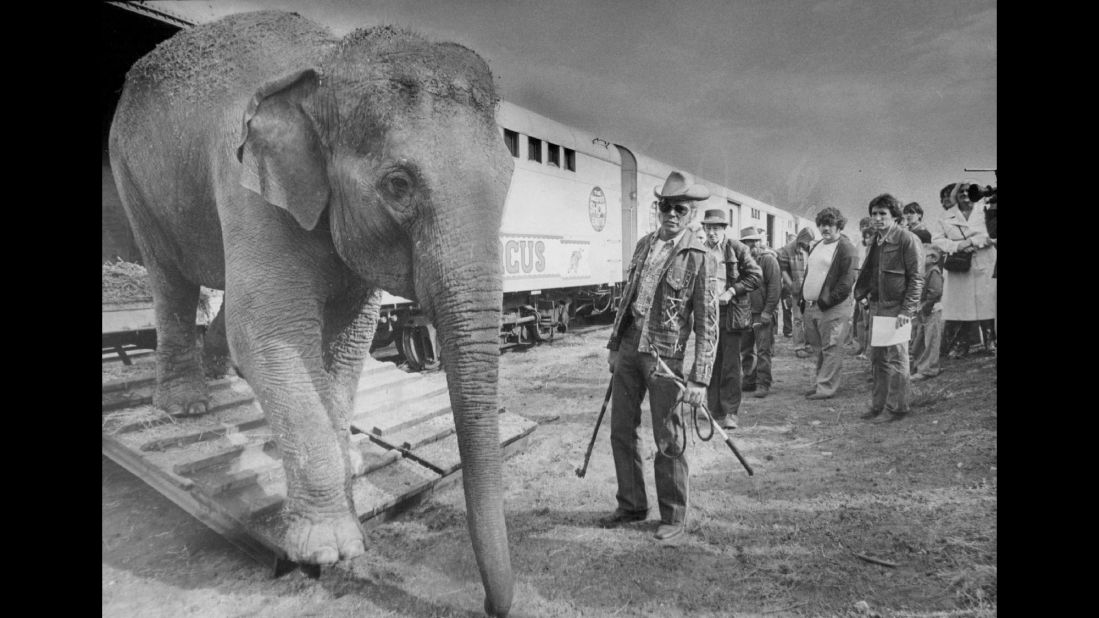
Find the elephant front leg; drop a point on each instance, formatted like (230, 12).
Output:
(282, 361)
(349, 327)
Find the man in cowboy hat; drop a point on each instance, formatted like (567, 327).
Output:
(759, 340)
(672, 288)
(741, 275)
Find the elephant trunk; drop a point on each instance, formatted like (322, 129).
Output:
(464, 293)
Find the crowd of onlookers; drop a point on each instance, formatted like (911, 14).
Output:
(934, 275)
(910, 287)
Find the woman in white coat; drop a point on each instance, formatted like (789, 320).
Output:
(969, 297)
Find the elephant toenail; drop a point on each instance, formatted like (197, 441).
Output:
(326, 555)
(352, 549)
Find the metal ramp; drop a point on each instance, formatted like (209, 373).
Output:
(224, 468)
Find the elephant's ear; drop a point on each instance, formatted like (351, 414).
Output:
(281, 156)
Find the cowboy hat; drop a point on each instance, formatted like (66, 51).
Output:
(750, 233)
(676, 187)
(715, 216)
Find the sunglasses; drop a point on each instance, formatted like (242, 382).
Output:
(680, 209)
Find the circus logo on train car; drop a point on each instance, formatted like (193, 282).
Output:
(597, 209)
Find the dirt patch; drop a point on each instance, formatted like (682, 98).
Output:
(832, 494)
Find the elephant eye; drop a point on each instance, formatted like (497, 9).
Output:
(398, 186)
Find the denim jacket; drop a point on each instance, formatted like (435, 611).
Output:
(685, 300)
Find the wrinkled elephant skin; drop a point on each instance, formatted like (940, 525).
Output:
(303, 174)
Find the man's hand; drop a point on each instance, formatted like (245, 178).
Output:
(695, 394)
(765, 318)
(902, 320)
(612, 358)
(726, 295)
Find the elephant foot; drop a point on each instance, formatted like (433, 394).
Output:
(323, 541)
(182, 397)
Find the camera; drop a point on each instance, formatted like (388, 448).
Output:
(977, 193)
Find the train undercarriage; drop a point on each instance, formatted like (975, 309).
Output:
(528, 318)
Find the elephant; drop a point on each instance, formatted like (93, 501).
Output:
(303, 173)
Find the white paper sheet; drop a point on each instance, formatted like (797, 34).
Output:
(884, 332)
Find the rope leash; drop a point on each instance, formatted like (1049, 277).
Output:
(663, 371)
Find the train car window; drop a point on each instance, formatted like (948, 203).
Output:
(553, 154)
(570, 159)
(534, 149)
(511, 138)
(755, 213)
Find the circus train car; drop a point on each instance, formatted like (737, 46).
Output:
(576, 206)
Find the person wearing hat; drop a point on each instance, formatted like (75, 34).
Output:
(741, 275)
(758, 341)
(672, 289)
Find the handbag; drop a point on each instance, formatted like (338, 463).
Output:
(958, 262)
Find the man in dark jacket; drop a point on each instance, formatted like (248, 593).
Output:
(826, 300)
(741, 275)
(889, 285)
(672, 289)
(758, 341)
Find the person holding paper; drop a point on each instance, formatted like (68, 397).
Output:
(826, 300)
(889, 286)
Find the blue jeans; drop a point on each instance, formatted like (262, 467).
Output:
(892, 390)
(826, 331)
(632, 378)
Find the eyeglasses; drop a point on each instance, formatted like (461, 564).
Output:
(680, 209)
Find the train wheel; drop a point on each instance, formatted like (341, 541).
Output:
(418, 348)
(544, 328)
(602, 304)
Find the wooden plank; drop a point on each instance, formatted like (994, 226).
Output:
(443, 456)
(516, 444)
(178, 491)
(385, 395)
(230, 453)
(132, 383)
(421, 433)
(390, 486)
(122, 320)
(374, 456)
(201, 436)
(375, 373)
(235, 468)
(386, 421)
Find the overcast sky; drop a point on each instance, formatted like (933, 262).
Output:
(801, 104)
